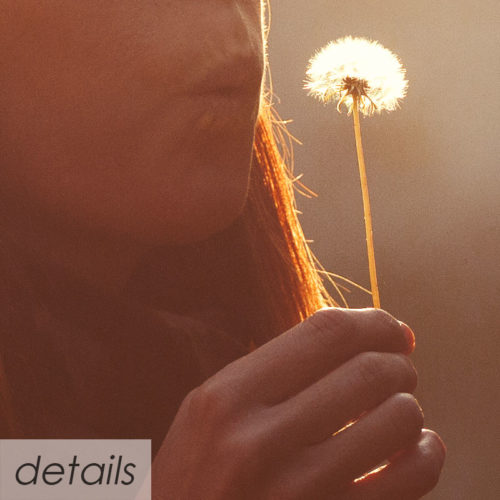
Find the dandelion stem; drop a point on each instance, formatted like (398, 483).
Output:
(366, 204)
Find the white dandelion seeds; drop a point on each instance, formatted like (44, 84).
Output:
(364, 76)
(351, 67)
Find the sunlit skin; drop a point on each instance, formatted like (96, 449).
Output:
(115, 139)
(113, 122)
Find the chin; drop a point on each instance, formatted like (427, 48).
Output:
(210, 198)
(201, 232)
(209, 222)
(198, 215)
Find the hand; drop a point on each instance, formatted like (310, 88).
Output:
(261, 428)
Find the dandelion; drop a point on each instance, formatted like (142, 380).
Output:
(364, 76)
(356, 67)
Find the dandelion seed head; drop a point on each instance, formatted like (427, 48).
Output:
(356, 67)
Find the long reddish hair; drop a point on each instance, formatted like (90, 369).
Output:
(291, 278)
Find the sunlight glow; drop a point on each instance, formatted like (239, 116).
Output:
(359, 67)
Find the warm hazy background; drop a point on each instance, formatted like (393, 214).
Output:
(434, 177)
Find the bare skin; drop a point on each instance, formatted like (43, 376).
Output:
(262, 426)
(125, 125)
(115, 138)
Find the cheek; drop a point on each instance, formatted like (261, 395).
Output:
(96, 125)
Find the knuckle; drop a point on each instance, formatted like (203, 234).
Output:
(407, 418)
(372, 368)
(328, 320)
(211, 399)
(405, 373)
(240, 440)
(382, 321)
(240, 448)
(383, 318)
(243, 450)
(391, 372)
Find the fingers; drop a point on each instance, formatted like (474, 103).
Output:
(297, 358)
(412, 475)
(357, 386)
(323, 470)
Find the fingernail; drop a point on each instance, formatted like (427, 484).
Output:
(410, 338)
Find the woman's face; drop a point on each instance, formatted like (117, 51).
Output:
(131, 117)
